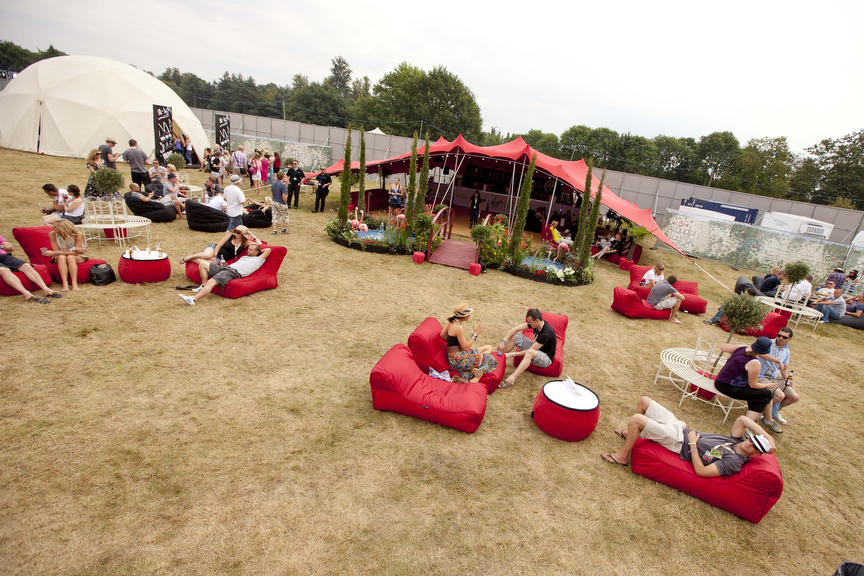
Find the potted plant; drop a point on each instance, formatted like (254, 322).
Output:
(107, 181)
(177, 160)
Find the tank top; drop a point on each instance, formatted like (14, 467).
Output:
(733, 372)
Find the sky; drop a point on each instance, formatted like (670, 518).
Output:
(685, 69)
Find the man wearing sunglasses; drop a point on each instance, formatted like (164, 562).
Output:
(778, 377)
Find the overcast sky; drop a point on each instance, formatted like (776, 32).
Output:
(686, 69)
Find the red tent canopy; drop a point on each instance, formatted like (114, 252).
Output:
(462, 153)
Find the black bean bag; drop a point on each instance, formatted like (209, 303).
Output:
(743, 284)
(203, 218)
(851, 321)
(257, 218)
(154, 210)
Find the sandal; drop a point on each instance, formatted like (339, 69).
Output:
(55, 295)
(621, 434)
(40, 300)
(507, 383)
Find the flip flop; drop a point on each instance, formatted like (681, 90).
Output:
(55, 295)
(675, 321)
(611, 459)
(506, 383)
(40, 300)
(621, 434)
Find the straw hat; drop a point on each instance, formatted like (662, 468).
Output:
(462, 310)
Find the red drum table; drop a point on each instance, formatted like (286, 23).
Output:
(565, 415)
(137, 266)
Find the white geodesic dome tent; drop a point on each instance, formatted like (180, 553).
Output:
(68, 105)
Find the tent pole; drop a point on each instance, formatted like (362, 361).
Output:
(438, 188)
(510, 195)
(551, 201)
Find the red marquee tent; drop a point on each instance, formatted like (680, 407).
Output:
(515, 155)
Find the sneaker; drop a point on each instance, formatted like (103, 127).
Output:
(189, 299)
(773, 426)
(780, 419)
(198, 289)
(710, 322)
(284, 230)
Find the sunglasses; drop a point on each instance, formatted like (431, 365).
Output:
(783, 337)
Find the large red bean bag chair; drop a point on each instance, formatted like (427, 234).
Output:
(6, 290)
(628, 303)
(693, 303)
(262, 279)
(749, 494)
(624, 263)
(398, 385)
(430, 350)
(771, 325)
(33, 239)
(559, 324)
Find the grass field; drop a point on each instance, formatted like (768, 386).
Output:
(139, 435)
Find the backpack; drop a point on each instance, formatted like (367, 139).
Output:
(214, 163)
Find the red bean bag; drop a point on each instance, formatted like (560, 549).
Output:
(559, 324)
(693, 303)
(628, 303)
(262, 279)
(398, 385)
(624, 263)
(430, 350)
(749, 494)
(6, 290)
(771, 325)
(33, 239)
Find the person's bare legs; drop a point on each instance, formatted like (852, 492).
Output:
(178, 206)
(203, 271)
(635, 425)
(34, 277)
(208, 254)
(14, 282)
(72, 265)
(63, 267)
(673, 317)
(205, 291)
(530, 354)
(48, 219)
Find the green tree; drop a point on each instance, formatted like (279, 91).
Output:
(575, 142)
(522, 209)
(544, 142)
(235, 93)
(719, 152)
(805, 179)
(319, 104)
(360, 88)
(361, 190)
(676, 159)
(841, 167)
(299, 81)
(16, 58)
(340, 76)
(345, 182)
(635, 154)
(424, 180)
(765, 165)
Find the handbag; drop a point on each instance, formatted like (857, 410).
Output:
(102, 274)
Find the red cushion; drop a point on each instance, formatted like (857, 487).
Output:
(6, 290)
(771, 325)
(398, 385)
(636, 274)
(749, 493)
(693, 303)
(628, 303)
(559, 324)
(33, 239)
(262, 279)
(430, 350)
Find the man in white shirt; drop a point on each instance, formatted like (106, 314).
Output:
(799, 291)
(221, 275)
(235, 199)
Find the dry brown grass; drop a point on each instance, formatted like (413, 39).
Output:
(140, 435)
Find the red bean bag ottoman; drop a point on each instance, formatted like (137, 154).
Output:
(749, 494)
(6, 290)
(624, 263)
(430, 350)
(398, 385)
(33, 239)
(262, 279)
(628, 303)
(559, 324)
(771, 325)
(693, 303)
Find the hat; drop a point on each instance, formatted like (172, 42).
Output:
(760, 443)
(235, 178)
(172, 175)
(112, 140)
(462, 310)
(762, 345)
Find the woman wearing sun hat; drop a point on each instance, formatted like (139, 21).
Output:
(471, 363)
(738, 378)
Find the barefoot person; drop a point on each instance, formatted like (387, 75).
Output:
(539, 351)
(9, 264)
(221, 275)
(711, 454)
(663, 297)
(67, 251)
(471, 363)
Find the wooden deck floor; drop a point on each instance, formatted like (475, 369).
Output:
(454, 253)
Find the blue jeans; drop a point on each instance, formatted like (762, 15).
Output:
(718, 316)
(234, 221)
(828, 313)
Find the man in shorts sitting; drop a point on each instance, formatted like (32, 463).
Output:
(711, 454)
(9, 264)
(540, 351)
(663, 297)
(221, 275)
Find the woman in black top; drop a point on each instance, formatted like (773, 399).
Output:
(471, 364)
(474, 209)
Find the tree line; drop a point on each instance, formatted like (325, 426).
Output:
(409, 99)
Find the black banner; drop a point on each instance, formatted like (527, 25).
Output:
(163, 132)
(223, 132)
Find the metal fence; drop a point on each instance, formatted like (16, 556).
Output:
(654, 194)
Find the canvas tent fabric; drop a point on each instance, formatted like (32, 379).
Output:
(459, 153)
(68, 105)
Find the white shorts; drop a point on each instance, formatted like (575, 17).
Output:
(666, 303)
(664, 428)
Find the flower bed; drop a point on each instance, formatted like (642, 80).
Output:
(550, 272)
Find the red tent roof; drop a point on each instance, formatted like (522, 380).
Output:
(572, 174)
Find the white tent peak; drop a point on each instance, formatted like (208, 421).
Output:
(68, 105)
